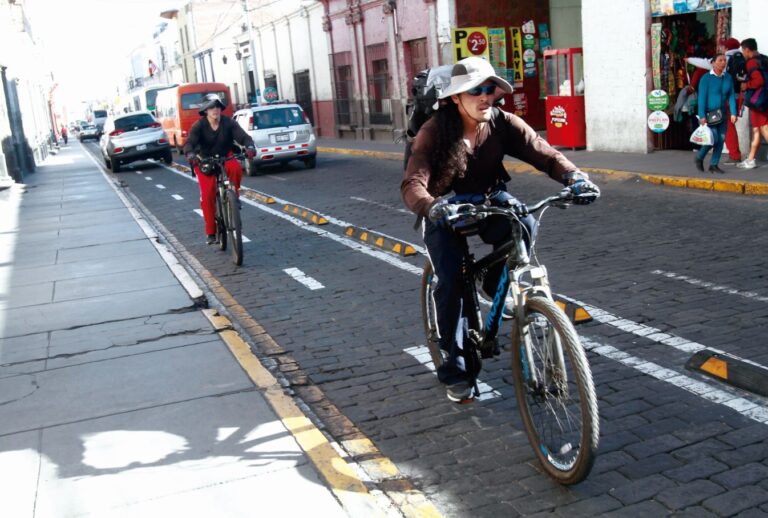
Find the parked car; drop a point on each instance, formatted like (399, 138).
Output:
(131, 137)
(88, 131)
(281, 133)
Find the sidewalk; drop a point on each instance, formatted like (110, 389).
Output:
(117, 395)
(675, 168)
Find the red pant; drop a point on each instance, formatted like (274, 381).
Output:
(731, 137)
(208, 192)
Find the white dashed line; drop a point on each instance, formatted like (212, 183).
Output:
(421, 353)
(382, 205)
(711, 285)
(148, 178)
(176, 197)
(138, 172)
(199, 212)
(304, 279)
(160, 186)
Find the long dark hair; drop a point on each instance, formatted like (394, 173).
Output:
(450, 151)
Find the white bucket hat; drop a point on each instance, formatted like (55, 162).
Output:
(471, 72)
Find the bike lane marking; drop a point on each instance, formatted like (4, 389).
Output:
(711, 285)
(421, 353)
(382, 205)
(176, 197)
(303, 278)
(200, 213)
(160, 186)
(598, 314)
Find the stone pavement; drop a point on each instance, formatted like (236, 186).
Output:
(117, 395)
(672, 167)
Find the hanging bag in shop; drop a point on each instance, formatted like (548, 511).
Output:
(702, 136)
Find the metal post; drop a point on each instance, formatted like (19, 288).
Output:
(246, 9)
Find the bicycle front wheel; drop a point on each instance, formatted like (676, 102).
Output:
(555, 391)
(429, 314)
(234, 227)
(221, 226)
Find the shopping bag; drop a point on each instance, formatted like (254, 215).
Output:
(702, 136)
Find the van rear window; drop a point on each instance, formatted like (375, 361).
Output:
(193, 101)
(141, 120)
(100, 114)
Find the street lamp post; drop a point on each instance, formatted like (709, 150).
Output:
(257, 93)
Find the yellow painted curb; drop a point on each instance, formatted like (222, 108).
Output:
(674, 181)
(759, 189)
(343, 481)
(388, 155)
(695, 183)
(725, 186)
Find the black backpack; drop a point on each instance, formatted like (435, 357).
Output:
(737, 68)
(426, 88)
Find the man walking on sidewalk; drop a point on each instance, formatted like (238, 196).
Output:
(754, 81)
(736, 69)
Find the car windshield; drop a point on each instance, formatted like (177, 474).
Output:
(100, 114)
(141, 120)
(277, 117)
(193, 101)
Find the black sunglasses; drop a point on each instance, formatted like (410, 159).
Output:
(487, 90)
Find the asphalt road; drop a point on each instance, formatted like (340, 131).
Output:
(667, 271)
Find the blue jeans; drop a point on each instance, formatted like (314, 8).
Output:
(445, 252)
(718, 135)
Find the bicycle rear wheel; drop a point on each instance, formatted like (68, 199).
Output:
(556, 397)
(234, 227)
(221, 227)
(429, 314)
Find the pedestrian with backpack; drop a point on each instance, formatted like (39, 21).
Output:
(736, 66)
(755, 97)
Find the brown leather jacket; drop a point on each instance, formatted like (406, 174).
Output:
(505, 134)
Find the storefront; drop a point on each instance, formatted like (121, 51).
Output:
(680, 29)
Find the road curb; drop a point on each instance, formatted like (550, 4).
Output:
(381, 241)
(730, 186)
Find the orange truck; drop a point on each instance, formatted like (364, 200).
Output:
(178, 108)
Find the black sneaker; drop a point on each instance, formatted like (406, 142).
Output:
(459, 392)
(700, 165)
(715, 169)
(210, 239)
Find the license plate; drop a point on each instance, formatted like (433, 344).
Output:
(282, 138)
(141, 147)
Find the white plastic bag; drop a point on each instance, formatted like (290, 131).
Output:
(702, 136)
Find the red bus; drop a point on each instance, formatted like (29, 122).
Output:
(178, 107)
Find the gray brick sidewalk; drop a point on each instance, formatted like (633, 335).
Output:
(117, 396)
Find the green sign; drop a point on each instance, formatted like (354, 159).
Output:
(270, 94)
(658, 100)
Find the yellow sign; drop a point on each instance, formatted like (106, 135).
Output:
(517, 56)
(470, 41)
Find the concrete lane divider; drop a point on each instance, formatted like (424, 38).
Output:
(306, 214)
(255, 196)
(380, 241)
(730, 370)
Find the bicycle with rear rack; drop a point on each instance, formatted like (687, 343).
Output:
(228, 222)
(552, 378)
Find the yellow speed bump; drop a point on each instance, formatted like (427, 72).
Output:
(380, 241)
(576, 313)
(256, 196)
(731, 371)
(306, 214)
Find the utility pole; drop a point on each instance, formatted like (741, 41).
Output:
(257, 93)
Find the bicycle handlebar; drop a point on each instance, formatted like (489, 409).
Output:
(561, 200)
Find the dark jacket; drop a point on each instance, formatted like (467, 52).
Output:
(205, 141)
(505, 134)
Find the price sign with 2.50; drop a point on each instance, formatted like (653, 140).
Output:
(470, 41)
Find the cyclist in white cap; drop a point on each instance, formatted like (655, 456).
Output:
(460, 151)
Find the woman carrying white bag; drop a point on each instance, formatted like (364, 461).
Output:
(715, 89)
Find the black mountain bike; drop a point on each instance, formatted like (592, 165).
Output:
(228, 224)
(552, 378)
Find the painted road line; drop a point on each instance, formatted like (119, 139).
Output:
(421, 353)
(138, 172)
(245, 239)
(148, 178)
(653, 334)
(160, 186)
(176, 197)
(200, 213)
(597, 313)
(702, 389)
(382, 205)
(304, 279)
(275, 177)
(711, 285)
